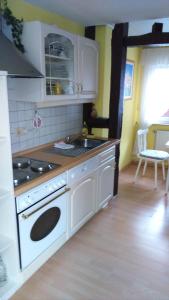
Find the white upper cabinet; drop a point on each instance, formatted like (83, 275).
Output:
(54, 53)
(88, 67)
(60, 66)
(68, 62)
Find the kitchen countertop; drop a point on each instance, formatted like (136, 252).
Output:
(65, 162)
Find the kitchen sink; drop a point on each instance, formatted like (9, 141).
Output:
(87, 143)
(81, 146)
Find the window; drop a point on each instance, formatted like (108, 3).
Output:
(165, 117)
(155, 87)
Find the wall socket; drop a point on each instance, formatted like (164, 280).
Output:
(21, 131)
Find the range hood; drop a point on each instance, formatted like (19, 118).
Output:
(14, 62)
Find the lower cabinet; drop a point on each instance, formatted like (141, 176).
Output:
(92, 184)
(82, 202)
(105, 183)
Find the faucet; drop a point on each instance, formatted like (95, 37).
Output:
(71, 138)
(84, 130)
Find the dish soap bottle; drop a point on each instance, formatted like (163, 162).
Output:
(3, 273)
(84, 130)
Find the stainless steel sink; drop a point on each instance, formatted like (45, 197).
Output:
(87, 143)
(82, 145)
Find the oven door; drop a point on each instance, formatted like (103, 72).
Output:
(41, 225)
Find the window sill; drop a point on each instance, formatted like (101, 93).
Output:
(161, 124)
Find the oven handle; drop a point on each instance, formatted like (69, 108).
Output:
(67, 189)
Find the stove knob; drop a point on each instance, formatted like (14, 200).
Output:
(29, 202)
(50, 188)
(53, 187)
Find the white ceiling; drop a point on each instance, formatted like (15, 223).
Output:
(94, 12)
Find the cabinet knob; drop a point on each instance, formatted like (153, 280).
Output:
(84, 169)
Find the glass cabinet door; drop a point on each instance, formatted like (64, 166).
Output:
(59, 65)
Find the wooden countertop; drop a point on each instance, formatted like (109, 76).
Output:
(65, 162)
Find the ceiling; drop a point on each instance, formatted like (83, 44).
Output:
(95, 12)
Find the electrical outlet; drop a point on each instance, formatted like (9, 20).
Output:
(21, 131)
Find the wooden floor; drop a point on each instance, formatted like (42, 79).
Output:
(121, 254)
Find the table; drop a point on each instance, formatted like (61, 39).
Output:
(167, 181)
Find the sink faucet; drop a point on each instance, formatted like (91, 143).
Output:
(70, 138)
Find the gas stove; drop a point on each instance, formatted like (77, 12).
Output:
(26, 169)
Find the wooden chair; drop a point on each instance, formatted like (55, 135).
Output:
(147, 155)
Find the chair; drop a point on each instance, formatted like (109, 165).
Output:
(147, 155)
(167, 183)
(167, 180)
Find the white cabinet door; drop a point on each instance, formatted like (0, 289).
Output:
(60, 59)
(68, 62)
(88, 68)
(82, 202)
(54, 53)
(105, 183)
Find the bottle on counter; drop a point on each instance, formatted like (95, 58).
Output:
(84, 130)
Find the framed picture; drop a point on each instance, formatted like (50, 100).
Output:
(128, 80)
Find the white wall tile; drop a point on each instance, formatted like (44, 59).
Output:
(57, 122)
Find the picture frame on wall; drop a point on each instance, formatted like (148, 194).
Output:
(128, 80)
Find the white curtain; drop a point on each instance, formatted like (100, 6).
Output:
(155, 85)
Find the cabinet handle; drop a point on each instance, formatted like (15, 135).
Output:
(81, 88)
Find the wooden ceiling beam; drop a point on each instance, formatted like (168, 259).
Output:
(90, 32)
(157, 27)
(156, 37)
(153, 38)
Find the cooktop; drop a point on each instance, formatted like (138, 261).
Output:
(26, 169)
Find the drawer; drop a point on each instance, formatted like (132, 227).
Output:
(107, 154)
(77, 173)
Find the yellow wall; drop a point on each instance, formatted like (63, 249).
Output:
(131, 115)
(103, 37)
(131, 107)
(131, 112)
(28, 12)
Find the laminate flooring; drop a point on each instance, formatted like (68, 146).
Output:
(122, 253)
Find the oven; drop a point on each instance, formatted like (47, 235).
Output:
(42, 218)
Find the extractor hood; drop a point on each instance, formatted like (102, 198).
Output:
(14, 62)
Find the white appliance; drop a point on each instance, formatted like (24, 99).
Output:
(42, 217)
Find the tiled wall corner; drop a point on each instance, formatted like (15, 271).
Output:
(57, 122)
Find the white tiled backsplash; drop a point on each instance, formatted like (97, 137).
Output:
(57, 122)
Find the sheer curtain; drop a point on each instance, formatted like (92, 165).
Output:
(155, 85)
